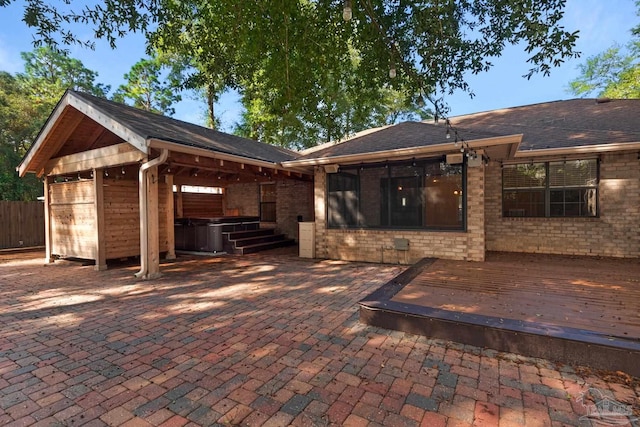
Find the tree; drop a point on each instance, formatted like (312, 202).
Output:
(614, 73)
(147, 88)
(49, 72)
(292, 57)
(26, 100)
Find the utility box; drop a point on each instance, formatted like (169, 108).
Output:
(400, 244)
(307, 239)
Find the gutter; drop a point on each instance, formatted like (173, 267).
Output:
(144, 214)
(583, 149)
(403, 153)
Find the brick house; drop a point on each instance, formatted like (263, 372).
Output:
(560, 177)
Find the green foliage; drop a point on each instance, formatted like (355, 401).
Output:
(26, 100)
(614, 73)
(304, 72)
(147, 88)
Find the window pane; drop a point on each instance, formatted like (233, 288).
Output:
(573, 202)
(576, 173)
(444, 196)
(528, 203)
(524, 176)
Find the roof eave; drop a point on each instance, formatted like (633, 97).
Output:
(582, 149)
(403, 153)
(197, 151)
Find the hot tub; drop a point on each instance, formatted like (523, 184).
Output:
(207, 234)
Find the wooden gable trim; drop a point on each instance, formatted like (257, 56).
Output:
(113, 155)
(108, 123)
(30, 161)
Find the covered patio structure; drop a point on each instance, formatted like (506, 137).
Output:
(569, 309)
(110, 171)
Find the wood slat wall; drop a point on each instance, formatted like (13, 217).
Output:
(73, 219)
(201, 205)
(122, 218)
(22, 224)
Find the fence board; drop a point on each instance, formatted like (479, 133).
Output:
(21, 224)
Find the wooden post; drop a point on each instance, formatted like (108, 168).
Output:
(171, 239)
(100, 254)
(153, 224)
(48, 258)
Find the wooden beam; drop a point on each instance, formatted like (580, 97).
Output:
(98, 204)
(48, 258)
(113, 155)
(169, 219)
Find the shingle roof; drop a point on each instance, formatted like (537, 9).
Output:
(401, 135)
(151, 125)
(561, 124)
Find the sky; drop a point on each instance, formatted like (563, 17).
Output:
(601, 23)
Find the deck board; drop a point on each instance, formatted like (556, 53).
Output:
(596, 294)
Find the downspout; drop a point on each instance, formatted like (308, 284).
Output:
(144, 215)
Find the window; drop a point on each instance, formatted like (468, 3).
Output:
(550, 189)
(427, 194)
(268, 202)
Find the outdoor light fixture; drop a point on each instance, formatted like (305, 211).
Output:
(347, 12)
(392, 72)
(123, 171)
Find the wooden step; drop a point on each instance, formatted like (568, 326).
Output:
(235, 235)
(249, 241)
(264, 246)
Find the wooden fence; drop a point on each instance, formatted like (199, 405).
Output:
(21, 224)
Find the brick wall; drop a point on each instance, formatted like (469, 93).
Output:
(616, 232)
(377, 245)
(244, 197)
(293, 198)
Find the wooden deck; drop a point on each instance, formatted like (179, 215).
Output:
(601, 295)
(578, 310)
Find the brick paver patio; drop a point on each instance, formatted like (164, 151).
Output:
(256, 340)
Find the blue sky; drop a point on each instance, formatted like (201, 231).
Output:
(601, 23)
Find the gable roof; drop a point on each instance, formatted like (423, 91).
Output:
(150, 125)
(139, 128)
(562, 124)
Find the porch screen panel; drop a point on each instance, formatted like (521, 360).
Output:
(416, 194)
(444, 199)
(342, 199)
